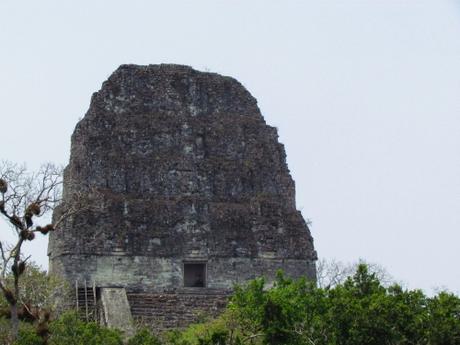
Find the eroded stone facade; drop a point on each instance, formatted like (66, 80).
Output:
(186, 170)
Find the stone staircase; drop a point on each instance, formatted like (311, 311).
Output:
(175, 309)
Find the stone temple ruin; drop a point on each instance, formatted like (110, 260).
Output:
(193, 195)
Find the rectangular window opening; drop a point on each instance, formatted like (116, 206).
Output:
(194, 274)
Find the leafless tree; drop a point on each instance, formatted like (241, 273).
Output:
(332, 272)
(25, 197)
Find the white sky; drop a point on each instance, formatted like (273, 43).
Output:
(365, 94)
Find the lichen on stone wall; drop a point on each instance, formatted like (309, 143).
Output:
(186, 169)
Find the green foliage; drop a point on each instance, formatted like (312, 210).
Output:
(361, 310)
(70, 330)
(27, 334)
(216, 332)
(144, 337)
(37, 287)
(444, 320)
(5, 329)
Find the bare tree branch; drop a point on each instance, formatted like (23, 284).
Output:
(24, 198)
(332, 272)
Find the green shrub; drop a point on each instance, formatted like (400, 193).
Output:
(144, 337)
(27, 334)
(70, 330)
(5, 327)
(215, 332)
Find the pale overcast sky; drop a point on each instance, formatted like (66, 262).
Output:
(365, 94)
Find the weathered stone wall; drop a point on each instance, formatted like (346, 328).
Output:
(176, 309)
(158, 274)
(185, 169)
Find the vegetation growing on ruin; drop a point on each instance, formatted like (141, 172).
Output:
(359, 310)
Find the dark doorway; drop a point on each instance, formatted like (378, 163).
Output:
(194, 275)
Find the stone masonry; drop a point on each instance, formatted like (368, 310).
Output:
(187, 176)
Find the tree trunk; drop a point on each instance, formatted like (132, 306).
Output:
(14, 305)
(14, 321)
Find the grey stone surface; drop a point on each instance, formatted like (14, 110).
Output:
(186, 169)
(117, 312)
(166, 310)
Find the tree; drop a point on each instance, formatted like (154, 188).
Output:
(360, 310)
(331, 272)
(38, 289)
(25, 197)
